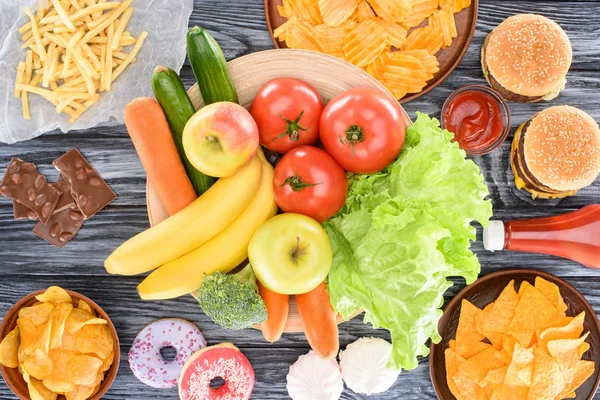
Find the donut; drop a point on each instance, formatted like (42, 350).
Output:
(145, 360)
(221, 361)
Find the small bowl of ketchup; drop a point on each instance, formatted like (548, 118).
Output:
(479, 118)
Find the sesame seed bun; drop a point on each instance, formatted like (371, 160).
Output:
(528, 55)
(560, 150)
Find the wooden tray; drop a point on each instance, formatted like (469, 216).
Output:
(449, 58)
(487, 289)
(329, 75)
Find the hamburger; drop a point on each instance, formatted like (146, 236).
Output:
(556, 153)
(526, 58)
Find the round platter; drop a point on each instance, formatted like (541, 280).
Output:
(449, 58)
(487, 289)
(329, 75)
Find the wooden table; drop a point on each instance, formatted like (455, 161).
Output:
(27, 263)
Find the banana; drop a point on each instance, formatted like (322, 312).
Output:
(193, 226)
(222, 253)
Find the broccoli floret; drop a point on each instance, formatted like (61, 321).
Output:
(232, 300)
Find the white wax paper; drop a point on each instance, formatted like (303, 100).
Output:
(166, 22)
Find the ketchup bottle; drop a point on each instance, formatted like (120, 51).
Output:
(575, 235)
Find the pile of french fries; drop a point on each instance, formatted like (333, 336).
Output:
(75, 49)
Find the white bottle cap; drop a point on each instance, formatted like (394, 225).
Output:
(493, 236)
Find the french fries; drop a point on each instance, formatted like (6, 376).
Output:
(75, 49)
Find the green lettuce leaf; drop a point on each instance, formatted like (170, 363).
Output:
(402, 233)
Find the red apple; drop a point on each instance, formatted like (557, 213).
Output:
(220, 138)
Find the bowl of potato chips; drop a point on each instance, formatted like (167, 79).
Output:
(58, 344)
(518, 334)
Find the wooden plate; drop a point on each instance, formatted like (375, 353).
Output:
(449, 58)
(487, 289)
(14, 379)
(329, 75)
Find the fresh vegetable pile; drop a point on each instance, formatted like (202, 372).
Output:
(402, 233)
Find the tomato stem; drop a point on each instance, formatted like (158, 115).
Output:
(354, 134)
(293, 128)
(296, 183)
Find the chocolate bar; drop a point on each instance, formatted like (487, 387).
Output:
(61, 227)
(90, 191)
(23, 183)
(65, 201)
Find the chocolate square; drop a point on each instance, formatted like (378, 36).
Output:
(61, 227)
(64, 201)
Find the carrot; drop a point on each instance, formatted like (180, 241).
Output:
(151, 136)
(277, 313)
(319, 320)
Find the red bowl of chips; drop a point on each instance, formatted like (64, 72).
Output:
(13, 376)
(536, 351)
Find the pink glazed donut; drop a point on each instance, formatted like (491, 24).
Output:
(145, 360)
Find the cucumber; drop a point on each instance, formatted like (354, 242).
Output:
(178, 108)
(210, 67)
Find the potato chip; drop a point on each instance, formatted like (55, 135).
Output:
(44, 335)
(333, 38)
(284, 10)
(534, 311)
(427, 37)
(306, 10)
(391, 10)
(80, 393)
(453, 360)
(37, 391)
(334, 12)
(83, 369)
(460, 5)
(95, 339)
(281, 32)
(430, 62)
(468, 388)
(77, 319)
(39, 366)
(54, 294)
(59, 317)
(478, 366)
(9, 349)
(552, 293)
(37, 314)
(395, 33)
(447, 26)
(302, 35)
(547, 379)
(420, 11)
(363, 12)
(29, 336)
(108, 361)
(520, 370)
(365, 43)
(69, 342)
(404, 74)
(572, 330)
(58, 380)
(82, 305)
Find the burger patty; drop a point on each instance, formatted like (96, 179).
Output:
(505, 93)
(521, 171)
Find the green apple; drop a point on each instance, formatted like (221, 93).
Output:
(220, 138)
(290, 254)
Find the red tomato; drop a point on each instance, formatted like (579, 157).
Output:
(363, 130)
(287, 113)
(308, 181)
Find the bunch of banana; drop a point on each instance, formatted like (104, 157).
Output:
(211, 234)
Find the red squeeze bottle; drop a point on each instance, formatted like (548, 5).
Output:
(575, 235)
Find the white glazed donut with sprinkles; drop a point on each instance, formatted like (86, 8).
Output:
(145, 359)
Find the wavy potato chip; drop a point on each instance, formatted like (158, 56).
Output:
(333, 38)
(334, 12)
(9, 349)
(59, 317)
(95, 339)
(302, 35)
(420, 11)
(430, 62)
(84, 369)
(428, 37)
(364, 43)
(391, 10)
(37, 391)
(37, 314)
(77, 319)
(447, 26)
(306, 10)
(54, 294)
(38, 366)
(395, 33)
(363, 12)
(406, 74)
(460, 5)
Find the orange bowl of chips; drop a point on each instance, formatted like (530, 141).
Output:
(517, 333)
(60, 345)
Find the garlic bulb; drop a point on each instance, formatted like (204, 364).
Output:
(313, 378)
(364, 366)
